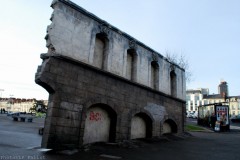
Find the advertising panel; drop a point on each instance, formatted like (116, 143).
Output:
(222, 114)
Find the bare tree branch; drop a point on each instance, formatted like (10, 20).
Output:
(182, 62)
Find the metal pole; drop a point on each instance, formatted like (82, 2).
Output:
(1, 90)
(11, 96)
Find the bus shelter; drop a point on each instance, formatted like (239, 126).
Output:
(215, 116)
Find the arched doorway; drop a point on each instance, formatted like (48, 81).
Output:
(169, 126)
(100, 124)
(141, 126)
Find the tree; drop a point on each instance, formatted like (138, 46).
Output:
(182, 62)
(38, 106)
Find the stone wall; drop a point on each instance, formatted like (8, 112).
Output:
(103, 84)
(75, 88)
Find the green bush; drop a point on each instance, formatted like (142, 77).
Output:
(40, 115)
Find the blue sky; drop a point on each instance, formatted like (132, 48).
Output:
(206, 32)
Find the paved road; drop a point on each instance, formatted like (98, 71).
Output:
(20, 140)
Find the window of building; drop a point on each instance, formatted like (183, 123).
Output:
(196, 97)
(131, 68)
(154, 75)
(100, 51)
(173, 83)
(205, 102)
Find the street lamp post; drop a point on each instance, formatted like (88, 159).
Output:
(1, 90)
(11, 98)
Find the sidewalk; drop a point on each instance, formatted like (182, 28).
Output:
(233, 129)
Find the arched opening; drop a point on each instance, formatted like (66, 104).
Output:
(141, 126)
(100, 124)
(169, 126)
(100, 51)
(154, 75)
(173, 83)
(131, 67)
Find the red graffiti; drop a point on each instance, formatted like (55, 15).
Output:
(95, 116)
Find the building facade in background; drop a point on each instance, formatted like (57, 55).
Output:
(19, 104)
(234, 105)
(194, 98)
(201, 97)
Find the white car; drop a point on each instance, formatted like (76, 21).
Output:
(195, 115)
(190, 115)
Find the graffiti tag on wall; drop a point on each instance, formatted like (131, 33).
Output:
(95, 116)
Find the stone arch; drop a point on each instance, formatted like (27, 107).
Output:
(101, 51)
(100, 124)
(131, 67)
(141, 126)
(169, 126)
(173, 83)
(154, 75)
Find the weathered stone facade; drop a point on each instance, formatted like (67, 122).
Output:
(103, 84)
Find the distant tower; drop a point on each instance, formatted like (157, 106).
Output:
(223, 88)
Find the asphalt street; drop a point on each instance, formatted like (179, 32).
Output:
(20, 140)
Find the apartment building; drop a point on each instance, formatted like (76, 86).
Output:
(194, 98)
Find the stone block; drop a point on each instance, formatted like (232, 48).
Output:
(77, 107)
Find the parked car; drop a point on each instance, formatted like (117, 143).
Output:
(189, 115)
(192, 115)
(13, 114)
(9, 113)
(235, 118)
(195, 115)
